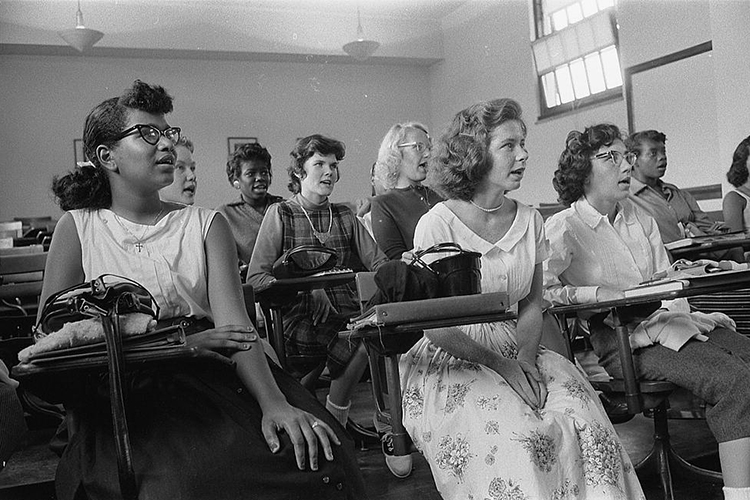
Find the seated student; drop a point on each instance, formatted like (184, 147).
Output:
(735, 206)
(401, 167)
(676, 212)
(182, 189)
(201, 432)
(249, 171)
(603, 244)
(495, 414)
(313, 321)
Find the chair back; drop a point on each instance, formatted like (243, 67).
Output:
(21, 277)
(366, 288)
(248, 295)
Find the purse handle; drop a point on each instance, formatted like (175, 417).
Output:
(437, 248)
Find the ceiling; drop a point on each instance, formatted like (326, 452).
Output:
(409, 31)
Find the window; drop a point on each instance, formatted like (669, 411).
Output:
(575, 53)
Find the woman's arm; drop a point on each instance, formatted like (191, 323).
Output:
(369, 252)
(733, 207)
(64, 266)
(228, 308)
(267, 249)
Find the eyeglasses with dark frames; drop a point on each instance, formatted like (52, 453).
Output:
(419, 146)
(151, 134)
(616, 157)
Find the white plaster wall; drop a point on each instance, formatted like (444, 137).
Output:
(45, 100)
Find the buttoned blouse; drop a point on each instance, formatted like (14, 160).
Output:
(587, 251)
(507, 264)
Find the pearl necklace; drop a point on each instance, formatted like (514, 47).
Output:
(489, 210)
(322, 237)
(138, 241)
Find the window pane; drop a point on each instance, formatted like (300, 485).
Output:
(559, 20)
(611, 65)
(595, 72)
(589, 7)
(580, 82)
(565, 85)
(605, 4)
(550, 90)
(574, 13)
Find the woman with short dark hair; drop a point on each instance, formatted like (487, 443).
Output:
(603, 244)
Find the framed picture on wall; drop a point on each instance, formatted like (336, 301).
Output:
(235, 142)
(79, 156)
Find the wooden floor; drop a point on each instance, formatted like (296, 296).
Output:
(690, 437)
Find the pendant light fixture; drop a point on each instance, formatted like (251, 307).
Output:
(361, 49)
(80, 37)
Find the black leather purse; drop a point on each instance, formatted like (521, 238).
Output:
(458, 274)
(304, 260)
(97, 298)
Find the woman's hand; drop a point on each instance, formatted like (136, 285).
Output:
(224, 340)
(321, 306)
(524, 378)
(304, 431)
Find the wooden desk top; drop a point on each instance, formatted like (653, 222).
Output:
(703, 285)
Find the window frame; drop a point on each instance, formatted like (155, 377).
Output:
(606, 96)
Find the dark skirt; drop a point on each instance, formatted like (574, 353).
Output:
(196, 434)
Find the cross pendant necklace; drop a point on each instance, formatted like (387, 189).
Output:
(139, 241)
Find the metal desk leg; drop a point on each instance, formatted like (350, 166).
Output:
(277, 335)
(401, 439)
(632, 390)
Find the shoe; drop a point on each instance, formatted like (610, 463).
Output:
(617, 410)
(399, 465)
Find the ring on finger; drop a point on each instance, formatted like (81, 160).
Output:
(314, 424)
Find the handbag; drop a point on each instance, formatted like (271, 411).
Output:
(65, 370)
(458, 274)
(304, 260)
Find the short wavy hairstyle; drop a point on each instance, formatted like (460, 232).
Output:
(244, 153)
(88, 186)
(738, 173)
(633, 143)
(304, 149)
(460, 159)
(574, 165)
(388, 164)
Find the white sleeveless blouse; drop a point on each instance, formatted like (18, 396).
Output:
(168, 259)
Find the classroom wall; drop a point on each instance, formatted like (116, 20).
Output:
(486, 55)
(45, 100)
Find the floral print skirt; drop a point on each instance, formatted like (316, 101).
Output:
(484, 443)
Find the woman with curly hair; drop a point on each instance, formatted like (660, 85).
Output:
(736, 205)
(603, 244)
(401, 167)
(312, 321)
(495, 414)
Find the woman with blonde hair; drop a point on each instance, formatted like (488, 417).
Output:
(401, 167)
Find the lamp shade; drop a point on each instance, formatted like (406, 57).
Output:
(361, 49)
(81, 38)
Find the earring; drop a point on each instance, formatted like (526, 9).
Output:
(236, 184)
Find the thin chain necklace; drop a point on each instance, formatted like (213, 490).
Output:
(138, 241)
(322, 237)
(489, 210)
